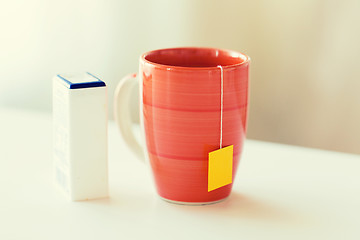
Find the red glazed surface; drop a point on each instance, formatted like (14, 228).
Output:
(181, 113)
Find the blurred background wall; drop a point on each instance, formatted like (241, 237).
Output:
(305, 75)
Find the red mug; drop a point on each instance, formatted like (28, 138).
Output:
(183, 92)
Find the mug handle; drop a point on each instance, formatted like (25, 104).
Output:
(122, 113)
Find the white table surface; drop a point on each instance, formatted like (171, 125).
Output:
(281, 192)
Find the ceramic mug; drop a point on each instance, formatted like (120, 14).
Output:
(180, 107)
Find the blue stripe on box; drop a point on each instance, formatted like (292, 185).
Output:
(96, 83)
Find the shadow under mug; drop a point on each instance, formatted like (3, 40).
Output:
(180, 108)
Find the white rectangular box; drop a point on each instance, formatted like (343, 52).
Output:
(80, 136)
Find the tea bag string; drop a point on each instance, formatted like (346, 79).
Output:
(221, 103)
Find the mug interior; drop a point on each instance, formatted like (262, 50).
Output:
(195, 57)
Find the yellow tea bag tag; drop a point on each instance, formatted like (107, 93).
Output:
(220, 167)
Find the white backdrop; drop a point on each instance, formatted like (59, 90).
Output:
(305, 81)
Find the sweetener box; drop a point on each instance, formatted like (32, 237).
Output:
(80, 136)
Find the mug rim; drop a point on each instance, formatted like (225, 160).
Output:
(246, 58)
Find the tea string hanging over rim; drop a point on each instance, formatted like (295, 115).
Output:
(221, 103)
